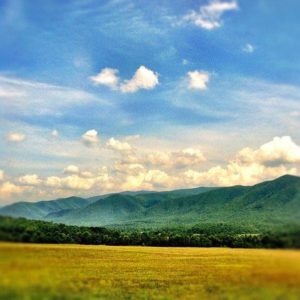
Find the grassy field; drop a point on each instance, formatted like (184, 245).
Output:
(108, 272)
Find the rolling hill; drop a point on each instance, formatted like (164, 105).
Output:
(272, 203)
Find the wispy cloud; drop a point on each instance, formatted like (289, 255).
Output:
(22, 97)
(209, 16)
(248, 48)
(16, 137)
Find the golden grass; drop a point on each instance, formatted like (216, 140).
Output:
(108, 272)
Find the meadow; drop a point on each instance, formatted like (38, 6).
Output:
(36, 271)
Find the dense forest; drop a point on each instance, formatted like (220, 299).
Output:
(201, 235)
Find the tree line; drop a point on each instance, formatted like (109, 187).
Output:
(201, 235)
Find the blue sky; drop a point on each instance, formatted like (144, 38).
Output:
(125, 87)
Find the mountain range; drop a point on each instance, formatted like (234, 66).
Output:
(273, 202)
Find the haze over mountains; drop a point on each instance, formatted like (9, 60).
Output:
(271, 202)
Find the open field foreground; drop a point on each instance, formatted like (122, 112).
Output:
(113, 272)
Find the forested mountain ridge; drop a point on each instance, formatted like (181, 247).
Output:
(271, 202)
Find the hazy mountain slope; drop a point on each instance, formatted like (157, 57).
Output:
(112, 209)
(39, 210)
(58, 209)
(269, 202)
(119, 208)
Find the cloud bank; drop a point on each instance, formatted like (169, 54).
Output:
(133, 168)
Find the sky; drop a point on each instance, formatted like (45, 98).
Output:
(107, 96)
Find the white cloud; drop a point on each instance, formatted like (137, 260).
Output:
(128, 168)
(73, 182)
(137, 178)
(157, 178)
(210, 16)
(143, 78)
(250, 166)
(188, 157)
(54, 133)
(30, 179)
(90, 138)
(235, 173)
(108, 77)
(281, 150)
(77, 183)
(9, 189)
(248, 48)
(86, 174)
(119, 146)
(159, 170)
(16, 137)
(198, 80)
(71, 169)
(10, 93)
(53, 181)
(36, 98)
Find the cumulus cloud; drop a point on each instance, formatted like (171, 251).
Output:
(140, 178)
(235, 173)
(71, 169)
(52, 181)
(248, 48)
(198, 80)
(209, 16)
(188, 156)
(16, 137)
(83, 181)
(119, 146)
(9, 189)
(30, 179)
(250, 166)
(177, 159)
(122, 167)
(280, 150)
(108, 77)
(90, 138)
(86, 174)
(143, 78)
(157, 178)
(77, 183)
(73, 182)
